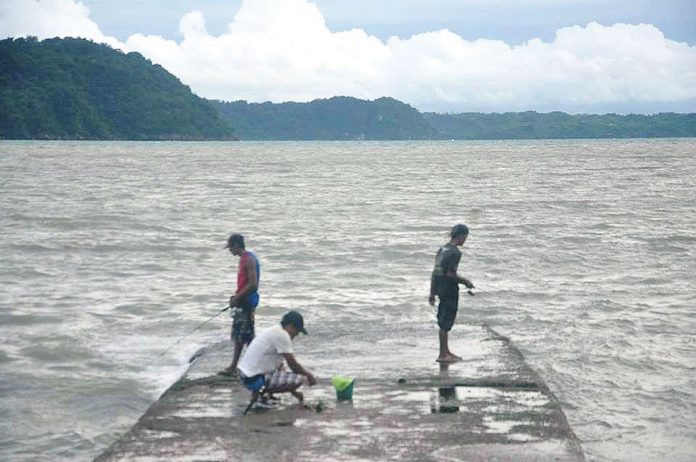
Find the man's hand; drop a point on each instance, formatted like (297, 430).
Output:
(234, 301)
(431, 299)
(311, 378)
(468, 283)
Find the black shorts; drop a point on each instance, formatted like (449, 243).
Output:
(447, 311)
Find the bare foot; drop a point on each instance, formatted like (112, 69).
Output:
(459, 358)
(449, 359)
(298, 395)
(228, 372)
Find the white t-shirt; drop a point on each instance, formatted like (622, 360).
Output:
(265, 353)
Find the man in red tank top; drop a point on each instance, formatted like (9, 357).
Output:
(245, 299)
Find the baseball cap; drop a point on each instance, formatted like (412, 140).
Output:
(235, 239)
(295, 318)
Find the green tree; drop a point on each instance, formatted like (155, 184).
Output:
(76, 89)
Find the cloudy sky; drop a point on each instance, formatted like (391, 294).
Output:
(437, 55)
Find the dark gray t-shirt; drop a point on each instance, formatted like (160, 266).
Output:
(446, 260)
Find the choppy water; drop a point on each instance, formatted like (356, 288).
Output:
(582, 253)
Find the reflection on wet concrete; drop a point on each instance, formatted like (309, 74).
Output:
(446, 400)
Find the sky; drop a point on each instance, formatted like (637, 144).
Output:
(579, 56)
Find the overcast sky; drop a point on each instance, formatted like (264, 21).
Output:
(437, 55)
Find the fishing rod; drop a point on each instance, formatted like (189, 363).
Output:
(194, 330)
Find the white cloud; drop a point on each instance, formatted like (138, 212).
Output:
(282, 50)
(48, 19)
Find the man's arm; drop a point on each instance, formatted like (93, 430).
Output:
(297, 367)
(431, 297)
(465, 281)
(460, 279)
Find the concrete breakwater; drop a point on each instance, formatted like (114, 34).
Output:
(490, 406)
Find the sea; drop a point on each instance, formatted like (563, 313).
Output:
(112, 270)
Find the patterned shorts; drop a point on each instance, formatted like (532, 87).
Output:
(281, 381)
(242, 325)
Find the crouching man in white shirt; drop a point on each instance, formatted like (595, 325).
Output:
(261, 367)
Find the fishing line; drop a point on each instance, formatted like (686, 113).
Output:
(194, 330)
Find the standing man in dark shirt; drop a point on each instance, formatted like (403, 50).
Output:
(445, 284)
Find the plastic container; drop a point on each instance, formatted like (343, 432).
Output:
(344, 387)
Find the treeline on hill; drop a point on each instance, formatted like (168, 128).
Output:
(337, 118)
(342, 118)
(76, 89)
(559, 125)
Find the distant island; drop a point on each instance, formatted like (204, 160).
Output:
(342, 118)
(338, 118)
(559, 125)
(77, 89)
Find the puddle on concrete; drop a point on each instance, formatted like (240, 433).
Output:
(522, 438)
(159, 434)
(200, 413)
(413, 396)
(414, 403)
(458, 398)
(502, 426)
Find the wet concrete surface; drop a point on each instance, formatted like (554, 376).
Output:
(490, 406)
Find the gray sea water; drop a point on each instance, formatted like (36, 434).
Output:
(582, 253)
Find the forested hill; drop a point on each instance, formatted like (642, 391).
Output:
(343, 118)
(338, 118)
(559, 125)
(76, 89)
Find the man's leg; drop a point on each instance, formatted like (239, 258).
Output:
(454, 307)
(446, 313)
(286, 382)
(242, 334)
(444, 348)
(238, 345)
(298, 396)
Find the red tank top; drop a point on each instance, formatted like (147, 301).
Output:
(242, 279)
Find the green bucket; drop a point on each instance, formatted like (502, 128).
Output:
(344, 387)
